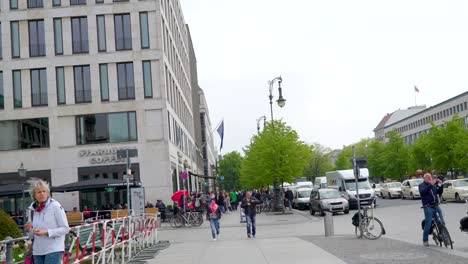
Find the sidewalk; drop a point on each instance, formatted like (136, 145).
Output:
(298, 238)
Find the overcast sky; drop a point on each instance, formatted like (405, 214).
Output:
(345, 64)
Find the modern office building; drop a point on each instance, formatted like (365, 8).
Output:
(81, 80)
(414, 121)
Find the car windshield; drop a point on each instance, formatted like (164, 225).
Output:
(394, 185)
(362, 184)
(303, 194)
(416, 182)
(460, 183)
(330, 194)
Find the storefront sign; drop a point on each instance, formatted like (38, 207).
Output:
(102, 156)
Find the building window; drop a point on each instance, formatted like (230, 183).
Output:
(147, 79)
(120, 1)
(125, 81)
(24, 134)
(101, 32)
(82, 79)
(99, 1)
(144, 31)
(36, 38)
(77, 2)
(104, 82)
(123, 33)
(38, 87)
(13, 4)
(106, 128)
(2, 96)
(56, 3)
(17, 94)
(15, 39)
(35, 3)
(80, 35)
(1, 52)
(58, 38)
(60, 80)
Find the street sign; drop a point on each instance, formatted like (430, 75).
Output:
(110, 189)
(129, 176)
(221, 178)
(122, 153)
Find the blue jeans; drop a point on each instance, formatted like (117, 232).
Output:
(214, 223)
(428, 214)
(251, 224)
(51, 258)
(222, 209)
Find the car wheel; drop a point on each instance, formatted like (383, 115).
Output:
(412, 196)
(457, 197)
(346, 211)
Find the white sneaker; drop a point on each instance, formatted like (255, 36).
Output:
(214, 239)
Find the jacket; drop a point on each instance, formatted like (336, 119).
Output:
(54, 220)
(249, 209)
(429, 193)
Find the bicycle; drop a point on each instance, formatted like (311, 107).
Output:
(181, 219)
(440, 233)
(370, 227)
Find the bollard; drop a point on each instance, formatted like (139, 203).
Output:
(328, 224)
(9, 251)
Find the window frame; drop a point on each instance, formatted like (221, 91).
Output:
(35, 24)
(147, 62)
(39, 2)
(78, 2)
(107, 81)
(56, 40)
(59, 102)
(104, 33)
(40, 88)
(2, 91)
(126, 81)
(122, 18)
(147, 31)
(81, 41)
(13, 56)
(84, 101)
(20, 90)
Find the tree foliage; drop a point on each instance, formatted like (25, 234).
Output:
(344, 160)
(230, 167)
(8, 227)
(395, 157)
(276, 152)
(319, 162)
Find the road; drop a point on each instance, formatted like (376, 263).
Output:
(299, 238)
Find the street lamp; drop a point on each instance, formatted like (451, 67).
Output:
(22, 173)
(258, 123)
(281, 101)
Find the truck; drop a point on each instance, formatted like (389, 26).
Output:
(320, 182)
(345, 182)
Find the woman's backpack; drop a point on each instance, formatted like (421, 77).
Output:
(464, 224)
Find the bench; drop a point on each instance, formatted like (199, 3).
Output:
(118, 213)
(74, 218)
(152, 211)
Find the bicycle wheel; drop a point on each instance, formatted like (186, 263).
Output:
(436, 234)
(196, 219)
(444, 234)
(179, 221)
(371, 228)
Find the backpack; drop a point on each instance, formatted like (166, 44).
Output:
(355, 219)
(464, 224)
(423, 222)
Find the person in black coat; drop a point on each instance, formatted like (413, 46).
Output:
(249, 204)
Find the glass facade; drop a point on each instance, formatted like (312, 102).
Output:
(38, 87)
(144, 31)
(106, 128)
(24, 134)
(60, 80)
(123, 33)
(58, 38)
(82, 79)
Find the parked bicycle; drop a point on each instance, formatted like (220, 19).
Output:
(180, 219)
(439, 231)
(370, 226)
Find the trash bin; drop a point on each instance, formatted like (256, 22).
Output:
(328, 224)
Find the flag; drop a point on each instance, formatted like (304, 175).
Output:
(416, 89)
(221, 133)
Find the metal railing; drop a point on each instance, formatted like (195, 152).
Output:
(104, 241)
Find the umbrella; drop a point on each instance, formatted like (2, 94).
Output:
(176, 196)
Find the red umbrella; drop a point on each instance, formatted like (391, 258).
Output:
(176, 196)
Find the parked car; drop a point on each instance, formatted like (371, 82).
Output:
(322, 200)
(377, 187)
(391, 190)
(301, 198)
(455, 190)
(410, 189)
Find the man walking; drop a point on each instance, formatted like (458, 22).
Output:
(289, 197)
(249, 204)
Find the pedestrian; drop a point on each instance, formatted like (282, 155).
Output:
(47, 225)
(214, 215)
(233, 200)
(249, 204)
(220, 201)
(289, 198)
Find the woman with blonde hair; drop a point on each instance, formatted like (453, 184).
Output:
(47, 224)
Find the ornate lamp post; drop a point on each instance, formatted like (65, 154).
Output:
(258, 123)
(22, 173)
(281, 102)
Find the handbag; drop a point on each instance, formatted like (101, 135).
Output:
(28, 256)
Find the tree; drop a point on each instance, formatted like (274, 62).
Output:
(375, 160)
(230, 167)
(395, 157)
(319, 162)
(420, 154)
(276, 152)
(344, 160)
(8, 227)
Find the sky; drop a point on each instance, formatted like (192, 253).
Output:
(344, 64)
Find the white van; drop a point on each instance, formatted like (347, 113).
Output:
(320, 182)
(345, 181)
(301, 199)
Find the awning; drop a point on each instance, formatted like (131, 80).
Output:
(91, 184)
(12, 189)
